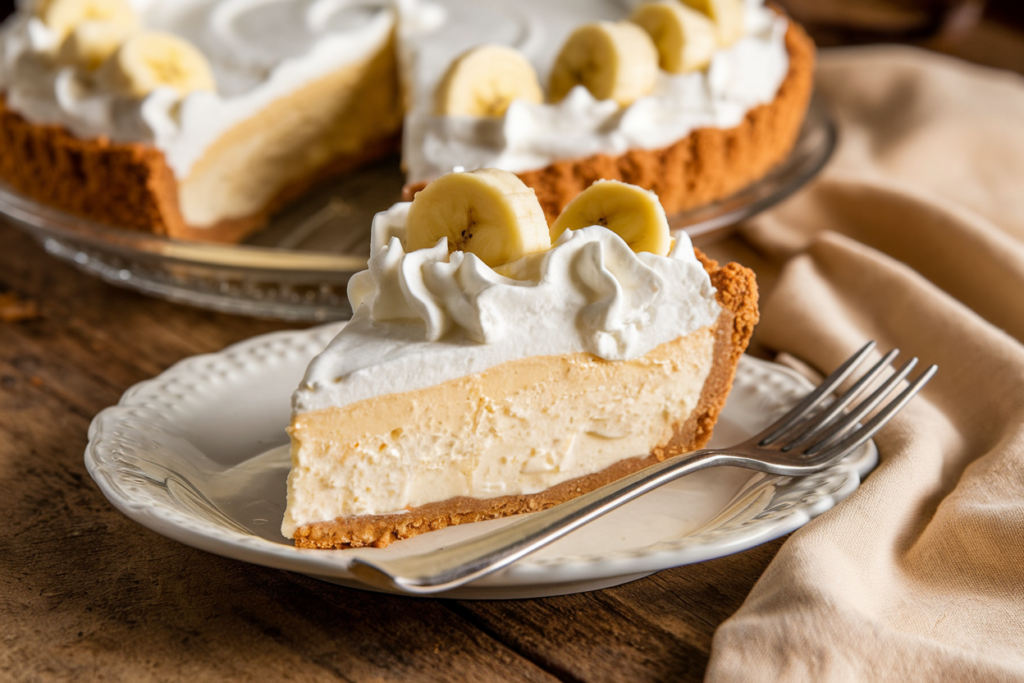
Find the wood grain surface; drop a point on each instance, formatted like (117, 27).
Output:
(87, 594)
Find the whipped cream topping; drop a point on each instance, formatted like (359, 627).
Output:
(531, 136)
(425, 317)
(259, 50)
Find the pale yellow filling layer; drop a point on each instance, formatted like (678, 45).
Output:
(340, 115)
(518, 428)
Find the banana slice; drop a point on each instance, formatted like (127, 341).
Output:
(149, 60)
(484, 81)
(91, 42)
(490, 213)
(685, 38)
(631, 212)
(728, 17)
(614, 61)
(62, 16)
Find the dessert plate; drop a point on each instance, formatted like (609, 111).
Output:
(299, 267)
(199, 454)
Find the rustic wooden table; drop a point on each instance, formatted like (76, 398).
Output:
(87, 594)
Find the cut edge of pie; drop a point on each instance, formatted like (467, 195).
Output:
(340, 122)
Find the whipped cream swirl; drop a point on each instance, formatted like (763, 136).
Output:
(531, 136)
(425, 317)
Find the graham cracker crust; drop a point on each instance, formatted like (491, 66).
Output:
(707, 165)
(123, 184)
(737, 295)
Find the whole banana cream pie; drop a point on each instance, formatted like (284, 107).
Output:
(198, 118)
(496, 365)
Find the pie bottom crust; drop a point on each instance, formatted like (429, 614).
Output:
(707, 165)
(737, 295)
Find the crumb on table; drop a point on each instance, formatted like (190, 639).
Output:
(15, 309)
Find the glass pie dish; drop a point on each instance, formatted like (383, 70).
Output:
(299, 266)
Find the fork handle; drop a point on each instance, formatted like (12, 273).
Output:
(455, 565)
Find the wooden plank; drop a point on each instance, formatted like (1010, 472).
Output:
(654, 629)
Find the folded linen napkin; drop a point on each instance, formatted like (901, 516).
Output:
(913, 236)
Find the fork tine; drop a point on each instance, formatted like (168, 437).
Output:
(849, 421)
(822, 421)
(854, 440)
(809, 402)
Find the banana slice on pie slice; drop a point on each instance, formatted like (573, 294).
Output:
(490, 213)
(484, 81)
(686, 39)
(728, 16)
(631, 212)
(150, 59)
(614, 61)
(62, 16)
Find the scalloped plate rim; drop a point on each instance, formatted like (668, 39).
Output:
(518, 579)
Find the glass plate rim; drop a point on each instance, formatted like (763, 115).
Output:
(722, 213)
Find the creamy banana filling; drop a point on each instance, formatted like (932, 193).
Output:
(518, 428)
(458, 378)
(714, 88)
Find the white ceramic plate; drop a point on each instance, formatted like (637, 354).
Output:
(199, 454)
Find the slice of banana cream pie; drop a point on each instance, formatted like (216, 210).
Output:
(496, 366)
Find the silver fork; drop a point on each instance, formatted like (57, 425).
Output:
(811, 437)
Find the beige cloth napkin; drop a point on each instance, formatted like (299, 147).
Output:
(913, 236)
